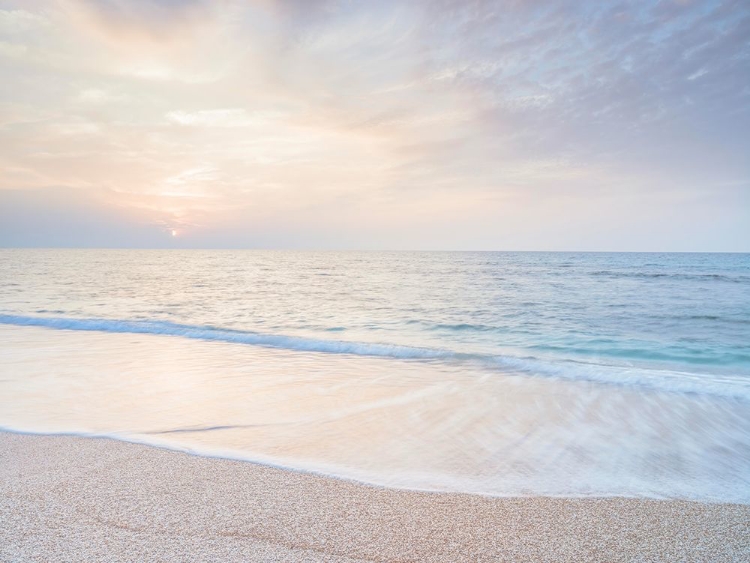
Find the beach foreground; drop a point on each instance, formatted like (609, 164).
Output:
(75, 499)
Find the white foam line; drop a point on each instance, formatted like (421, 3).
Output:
(404, 481)
(228, 335)
(656, 380)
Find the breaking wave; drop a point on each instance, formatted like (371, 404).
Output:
(736, 387)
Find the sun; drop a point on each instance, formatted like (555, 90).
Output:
(174, 232)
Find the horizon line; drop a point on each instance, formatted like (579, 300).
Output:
(371, 250)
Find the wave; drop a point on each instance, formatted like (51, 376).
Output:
(672, 276)
(509, 485)
(736, 387)
(232, 336)
(728, 320)
(731, 387)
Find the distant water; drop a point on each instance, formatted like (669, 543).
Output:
(571, 374)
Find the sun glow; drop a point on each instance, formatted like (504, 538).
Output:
(174, 232)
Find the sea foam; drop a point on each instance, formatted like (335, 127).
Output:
(654, 379)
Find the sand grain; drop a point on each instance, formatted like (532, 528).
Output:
(83, 499)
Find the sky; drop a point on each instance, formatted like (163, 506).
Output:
(428, 124)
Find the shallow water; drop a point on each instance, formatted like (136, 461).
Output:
(498, 373)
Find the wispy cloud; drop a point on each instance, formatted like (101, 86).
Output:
(438, 123)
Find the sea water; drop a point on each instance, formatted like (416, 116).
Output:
(565, 374)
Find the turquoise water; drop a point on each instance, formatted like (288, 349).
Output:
(561, 341)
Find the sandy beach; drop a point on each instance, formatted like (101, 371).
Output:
(85, 499)
(334, 281)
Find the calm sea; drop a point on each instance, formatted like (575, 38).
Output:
(575, 374)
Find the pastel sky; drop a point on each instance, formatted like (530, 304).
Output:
(440, 124)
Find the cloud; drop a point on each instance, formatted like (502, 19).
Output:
(98, 96)
(281, 113)
(18, 22)
(232, 117)
(157, 20)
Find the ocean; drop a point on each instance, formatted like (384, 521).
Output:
(498, 373)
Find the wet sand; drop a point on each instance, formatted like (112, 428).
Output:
(86, 499)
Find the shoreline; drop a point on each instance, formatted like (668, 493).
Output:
(85, 498)
(262, 462)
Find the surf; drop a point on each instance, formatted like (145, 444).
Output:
(727, 386)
